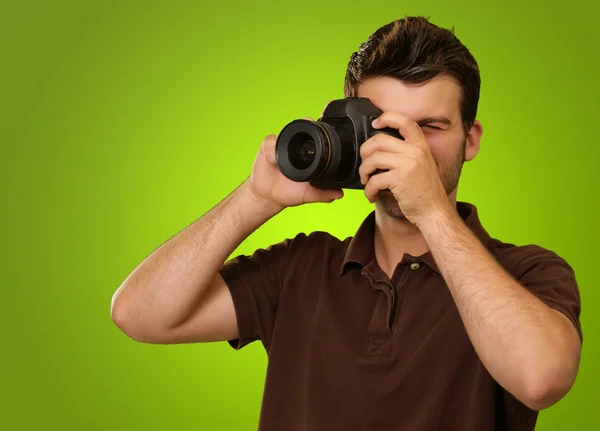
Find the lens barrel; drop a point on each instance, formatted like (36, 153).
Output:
(303, 150)
(316, 151)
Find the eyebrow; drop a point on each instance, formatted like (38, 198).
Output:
(429, 120)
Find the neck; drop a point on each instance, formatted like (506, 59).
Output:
(394, 237)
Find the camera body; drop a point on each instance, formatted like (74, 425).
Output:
(326, 152)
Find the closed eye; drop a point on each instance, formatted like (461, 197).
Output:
(431, 127)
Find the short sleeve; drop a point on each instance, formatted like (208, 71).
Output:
(551, 279)
(256, 282)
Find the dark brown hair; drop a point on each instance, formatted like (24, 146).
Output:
(414, 50)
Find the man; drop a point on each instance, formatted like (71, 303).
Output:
(420, 321)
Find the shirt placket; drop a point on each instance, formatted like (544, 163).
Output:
(381, 326)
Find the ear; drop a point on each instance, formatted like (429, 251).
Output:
(473, 141)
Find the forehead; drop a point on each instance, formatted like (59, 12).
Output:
(438, 97)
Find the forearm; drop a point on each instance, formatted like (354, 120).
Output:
(525, 345)
(168, 285)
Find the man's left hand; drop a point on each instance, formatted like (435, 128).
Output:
(412, 175)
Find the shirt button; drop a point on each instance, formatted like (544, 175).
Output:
(415, 265)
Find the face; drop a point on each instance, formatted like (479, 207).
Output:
(434, 106)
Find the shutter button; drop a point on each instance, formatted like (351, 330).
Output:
(415, 265)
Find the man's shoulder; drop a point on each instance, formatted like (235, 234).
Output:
(517, 259)
(317, 241)
(314, 247)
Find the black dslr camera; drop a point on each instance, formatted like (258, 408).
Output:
(326, 152)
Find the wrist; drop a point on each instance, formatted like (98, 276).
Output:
(442, 216)
(260, 203)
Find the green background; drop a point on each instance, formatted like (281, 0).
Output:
(122, 122)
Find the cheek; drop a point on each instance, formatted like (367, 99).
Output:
(443, 150)
(438, 150)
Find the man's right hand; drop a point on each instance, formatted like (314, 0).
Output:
(269, 184)
(169, 297)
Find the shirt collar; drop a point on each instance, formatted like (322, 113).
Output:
(361, 251)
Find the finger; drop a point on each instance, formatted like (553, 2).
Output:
(314, 194)
(323, 111)
(385, 143)
(307, 118)
(267, 149)
(404, 124)
(378, 160)
(377, 183)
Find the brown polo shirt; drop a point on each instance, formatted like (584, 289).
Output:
(351, 350)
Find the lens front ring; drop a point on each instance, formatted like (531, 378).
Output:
(293, 136)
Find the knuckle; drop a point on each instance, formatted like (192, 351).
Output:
(399, 118)
(364, 151)
(412, 164)
(419, 151)
(374, 159)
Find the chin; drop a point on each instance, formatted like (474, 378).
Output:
(387, 204)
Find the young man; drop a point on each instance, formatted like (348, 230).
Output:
(420, 321)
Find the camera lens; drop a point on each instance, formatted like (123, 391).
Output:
(302, 150)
